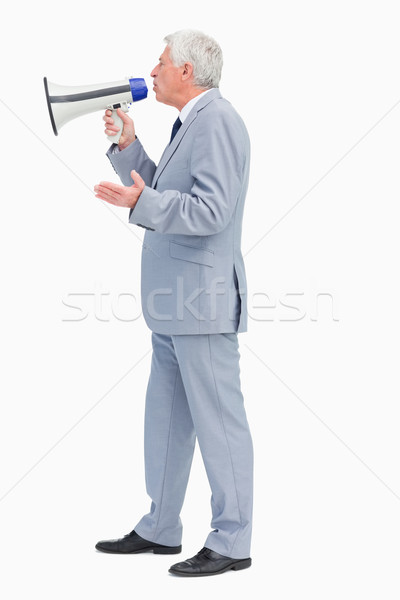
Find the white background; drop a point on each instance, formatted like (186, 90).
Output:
(317, 84)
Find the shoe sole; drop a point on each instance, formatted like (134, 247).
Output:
(238, 566)
(172, 550)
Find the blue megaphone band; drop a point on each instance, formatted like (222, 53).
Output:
(138, 88)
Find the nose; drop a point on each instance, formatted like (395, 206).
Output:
(154, 72)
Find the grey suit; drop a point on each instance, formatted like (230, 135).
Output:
(194, 301)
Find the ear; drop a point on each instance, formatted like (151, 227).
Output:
(187, 71)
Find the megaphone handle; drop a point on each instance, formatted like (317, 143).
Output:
(114, 139)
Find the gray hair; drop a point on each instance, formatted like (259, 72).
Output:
(202, 51)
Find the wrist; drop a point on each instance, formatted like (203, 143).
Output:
(124, 145)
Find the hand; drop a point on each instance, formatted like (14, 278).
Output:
(128, 132)
(121, 195)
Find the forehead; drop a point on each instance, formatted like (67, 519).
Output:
(165, 57)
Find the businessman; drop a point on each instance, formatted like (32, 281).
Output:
(194, 302)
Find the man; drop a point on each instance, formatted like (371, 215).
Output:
(193, 299)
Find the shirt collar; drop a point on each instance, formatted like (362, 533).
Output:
(188, 107)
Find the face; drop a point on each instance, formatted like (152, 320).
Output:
(167, 80)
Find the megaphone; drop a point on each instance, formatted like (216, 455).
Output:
(69, 102)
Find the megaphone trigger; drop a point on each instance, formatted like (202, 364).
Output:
(114, 139)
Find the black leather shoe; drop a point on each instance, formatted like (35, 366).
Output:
(132, 543)
(208, 562)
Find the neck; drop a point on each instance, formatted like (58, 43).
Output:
(187, 96)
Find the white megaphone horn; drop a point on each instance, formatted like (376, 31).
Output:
(66, 103)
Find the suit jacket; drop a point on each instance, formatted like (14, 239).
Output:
(193, 275)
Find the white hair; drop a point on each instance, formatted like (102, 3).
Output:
(202, 51)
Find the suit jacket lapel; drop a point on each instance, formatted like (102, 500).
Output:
(170, 149)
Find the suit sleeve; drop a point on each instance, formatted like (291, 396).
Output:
(133, 157)
(216, 165)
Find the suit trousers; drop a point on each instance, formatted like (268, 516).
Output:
(194, 392)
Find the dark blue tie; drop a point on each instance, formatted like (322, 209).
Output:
(175, 128)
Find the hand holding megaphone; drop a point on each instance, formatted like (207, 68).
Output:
(118, 122)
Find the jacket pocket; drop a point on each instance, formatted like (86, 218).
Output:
(201, 256)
